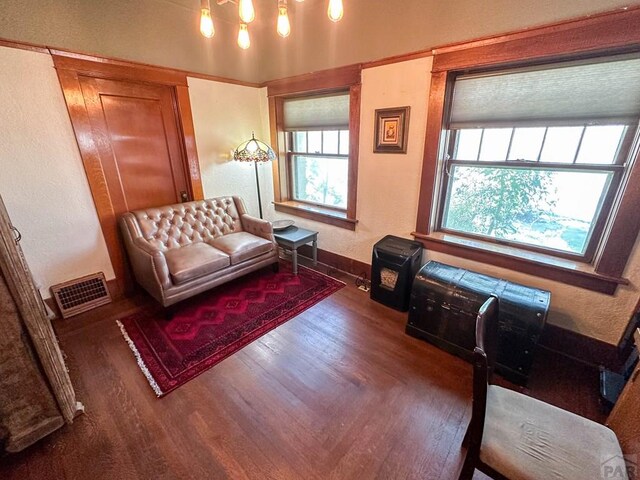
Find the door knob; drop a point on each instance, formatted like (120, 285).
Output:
(183, 196)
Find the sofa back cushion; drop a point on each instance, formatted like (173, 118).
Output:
(173, 226)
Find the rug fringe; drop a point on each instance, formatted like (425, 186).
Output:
(141, 364)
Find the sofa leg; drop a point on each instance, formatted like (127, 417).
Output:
(275, 267)
(169, 312)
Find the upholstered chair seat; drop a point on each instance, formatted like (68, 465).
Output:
(526, 439)
(515, 437)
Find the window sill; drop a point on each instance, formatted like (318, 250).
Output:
(562, 270)
(319, 214)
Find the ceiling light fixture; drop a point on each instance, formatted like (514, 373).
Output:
(244, 41)
(283, 27)
(246, 11)
(247, 14)
(335, 10)
(206, 22)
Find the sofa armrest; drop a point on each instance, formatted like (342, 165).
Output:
(148, 262)
(257, 227)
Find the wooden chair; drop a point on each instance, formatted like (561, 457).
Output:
(513, 436)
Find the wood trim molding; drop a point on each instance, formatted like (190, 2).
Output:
(405, 57)
(625, 228)
(355, 94)
(608, 31)
(588, 350)
(528, 32)
(40, 48)
(312, 213)
(32, 47)
(79, 117)
(104, 68)
(276, 130)
(553, 271)
(185, 118)
(332, 79)
(430, 160)
(339, 262)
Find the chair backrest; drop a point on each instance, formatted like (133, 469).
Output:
(484, 356)
(624, 420)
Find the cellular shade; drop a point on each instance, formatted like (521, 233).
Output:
(600, 92)
(316, 113)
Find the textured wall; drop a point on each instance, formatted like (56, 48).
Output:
(165, 32)
(388, 184)
(42, 180)
(388, 197)
(224, 115)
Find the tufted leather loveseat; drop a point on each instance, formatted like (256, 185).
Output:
(180, 250)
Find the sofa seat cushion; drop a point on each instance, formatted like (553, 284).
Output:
(193, 261)
(241, 246)
(527, 439)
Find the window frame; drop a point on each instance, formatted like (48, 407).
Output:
(343, 79)
(290, 162)
(616, 168)
(607, 34)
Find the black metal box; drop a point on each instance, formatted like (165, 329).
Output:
(394, 263)
(444, 304)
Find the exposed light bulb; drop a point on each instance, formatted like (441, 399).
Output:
(335, 10)
(284, 27)
(206, 22)
(246, 10)
(244, 41)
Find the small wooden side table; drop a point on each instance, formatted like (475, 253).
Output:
(293, 237)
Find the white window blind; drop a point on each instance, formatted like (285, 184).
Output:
(571, 93)
(316, 113)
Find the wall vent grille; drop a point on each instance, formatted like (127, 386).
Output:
(81, 294)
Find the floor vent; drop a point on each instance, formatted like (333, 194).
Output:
(81, 294)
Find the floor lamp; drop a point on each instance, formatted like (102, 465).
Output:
(257, 152)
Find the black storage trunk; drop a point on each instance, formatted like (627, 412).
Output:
(394, 263)
(444, 304)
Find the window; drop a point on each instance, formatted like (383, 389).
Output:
(535, 156)
(317, 144)
(315, 121)
(320, 171)
(538, 187)
(554, 111)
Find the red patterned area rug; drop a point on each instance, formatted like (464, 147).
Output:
(210, 327)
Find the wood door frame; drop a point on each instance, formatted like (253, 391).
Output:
(70, 67)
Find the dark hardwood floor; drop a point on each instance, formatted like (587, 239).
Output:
(339, 392)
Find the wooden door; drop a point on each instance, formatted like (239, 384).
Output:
(135, 130)
(135, 133)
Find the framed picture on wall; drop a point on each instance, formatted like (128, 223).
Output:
(392, 126)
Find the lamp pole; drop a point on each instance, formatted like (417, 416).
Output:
(258, 188)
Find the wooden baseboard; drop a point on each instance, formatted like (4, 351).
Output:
(580, 347)
(345, 264)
